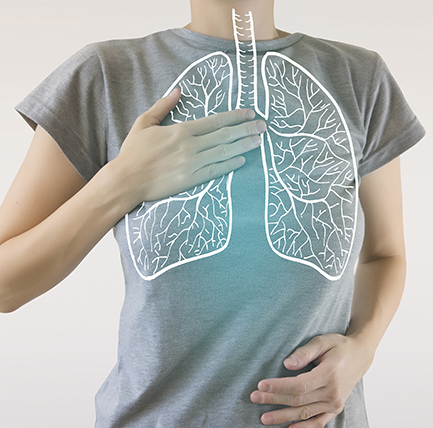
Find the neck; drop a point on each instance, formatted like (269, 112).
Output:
(214, 18)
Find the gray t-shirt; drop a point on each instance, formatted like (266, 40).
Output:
(225, 280)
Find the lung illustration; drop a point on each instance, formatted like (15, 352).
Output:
(311, 177)
(196, 223)
(308, 162)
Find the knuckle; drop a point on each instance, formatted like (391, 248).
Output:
(140, 120)
(301, 389)
(217, 121)
(334, 395)
(182, 162)
(212, 170)
(226, 135)
(140, 117)
(303, 353)
(318, 339)
(223, 151)
(336, 399)
(184, 145)
(306, 413)
(297, 401)
(270, 399)
(334, 377)
(182, 177)
(169, 141)
(240, 115)
(339, 405)
(180, 130)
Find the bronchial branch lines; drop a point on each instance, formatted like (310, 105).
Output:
(312, 179)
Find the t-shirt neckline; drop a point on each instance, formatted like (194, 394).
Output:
(230, 45)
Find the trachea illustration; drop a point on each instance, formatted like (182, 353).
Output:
(308, 160)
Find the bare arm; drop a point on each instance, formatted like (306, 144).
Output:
(381, 273)
(43, 225)
(318, 396)
(47, 221)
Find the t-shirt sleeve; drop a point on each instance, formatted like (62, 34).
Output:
(391, 125)
(70, 105)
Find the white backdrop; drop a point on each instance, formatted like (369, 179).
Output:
(56, 351)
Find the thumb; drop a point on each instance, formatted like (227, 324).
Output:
(306, 354)
(156, 114)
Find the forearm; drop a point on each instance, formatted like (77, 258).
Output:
(35, 261)
(379, 287)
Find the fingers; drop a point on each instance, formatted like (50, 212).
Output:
(194, 152)
(293, 400)
(220, 151)
(306, 354)
(318, 421)
(225, 152)
(315, 397)
(230, 134)
(294, 414)
(300, 385)
(303, 407)
(214, 122)
(312, 416)
(215, 170)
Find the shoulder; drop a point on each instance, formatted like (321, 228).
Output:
(345, 68)
(340, 49)
(111, 51)
(337, 56)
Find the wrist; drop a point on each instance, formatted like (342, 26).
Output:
(365, 341)
(122, 185)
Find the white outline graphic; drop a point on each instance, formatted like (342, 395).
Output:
(197, 223)
(308, 160)
(353, 173)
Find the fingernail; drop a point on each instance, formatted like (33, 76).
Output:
(257, 397)
(240, 161)
(267, 419)
(261, 126)
(291, 361)
(257, 140)
(264, 387)
(173, 93)
(250, 114)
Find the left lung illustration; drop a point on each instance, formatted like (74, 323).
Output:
(197, 222)
(310, 170)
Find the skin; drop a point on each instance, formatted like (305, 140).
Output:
(214, 18)
(63, 206)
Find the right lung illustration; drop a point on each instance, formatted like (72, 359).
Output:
(308, 162)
